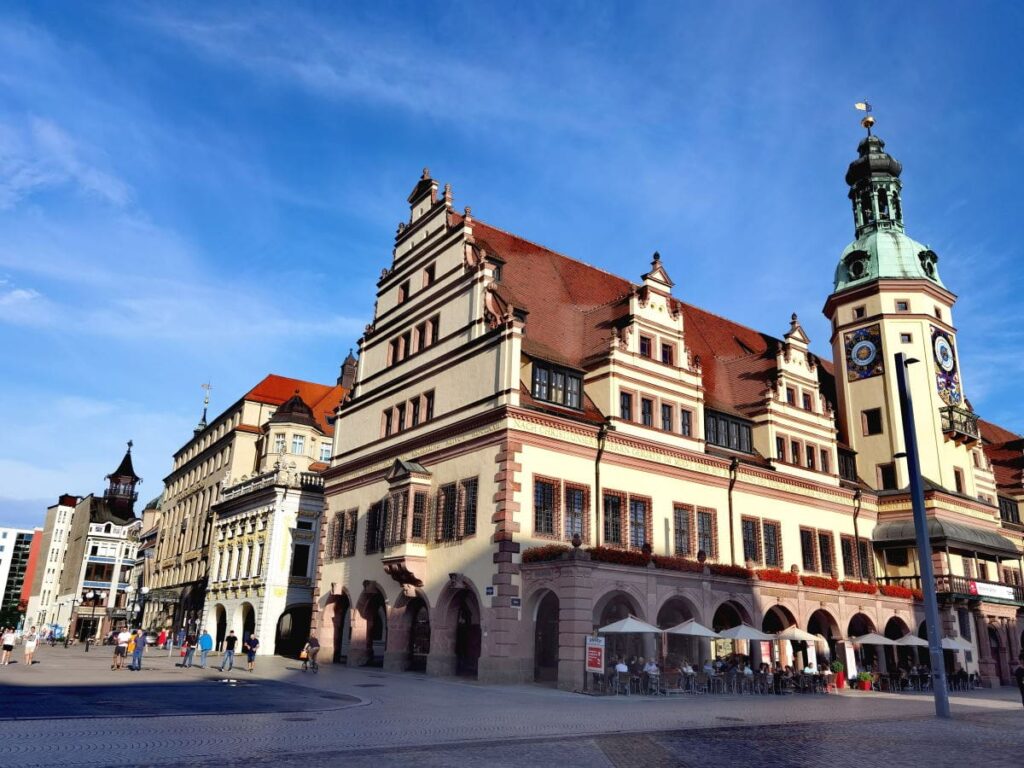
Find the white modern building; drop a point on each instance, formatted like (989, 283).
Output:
(42, 605)
(14, 550)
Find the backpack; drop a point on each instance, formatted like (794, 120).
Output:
(131, 645)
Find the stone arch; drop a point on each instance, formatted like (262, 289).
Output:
(335, 625)
(867, 655)
(729, 613)
(616, 604)
(220, 617)
(1000, 652)
(292, 630)
(675, 610)
(409, 630)
(898, 655)
(777, 618)
(369, 634)
(456, 635)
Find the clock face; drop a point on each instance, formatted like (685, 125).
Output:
(863, 353)
(944, 354)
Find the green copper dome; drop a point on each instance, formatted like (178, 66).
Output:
(882, 249)
(887, 253)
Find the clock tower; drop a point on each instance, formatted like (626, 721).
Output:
(888, 297)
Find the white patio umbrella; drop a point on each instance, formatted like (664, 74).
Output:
(955, 644)
(872, 638)
(692, 629)
(911, 639)
(630, 625)
(745, 632)
(799, 635)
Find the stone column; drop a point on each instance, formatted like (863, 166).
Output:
(358, 652)
(575, 619)
(986, 664)
(396, 653)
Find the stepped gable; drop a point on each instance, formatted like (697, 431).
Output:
(1005, 449)
(322, 399)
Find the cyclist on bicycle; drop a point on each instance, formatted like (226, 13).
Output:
(309, 653)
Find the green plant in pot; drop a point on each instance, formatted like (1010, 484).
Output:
(840, 672)
(864, 680)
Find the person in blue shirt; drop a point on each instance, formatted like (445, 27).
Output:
(140, 647)
(205, 646)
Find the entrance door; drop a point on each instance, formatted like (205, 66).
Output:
(467, 642)
(419, 637)
(545, 644)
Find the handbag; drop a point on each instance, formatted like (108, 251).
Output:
(303, 656)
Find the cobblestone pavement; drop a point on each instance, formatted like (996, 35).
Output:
(280, 717)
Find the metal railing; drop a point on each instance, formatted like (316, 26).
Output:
(959, 421)
(962, 586)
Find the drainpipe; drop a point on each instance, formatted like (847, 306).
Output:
(602, 435)
(734, 466)
(856, 534)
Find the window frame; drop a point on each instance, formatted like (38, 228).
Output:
(553, 528)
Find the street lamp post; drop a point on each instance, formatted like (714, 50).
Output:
(924, 545)
(91, 597)
(67, 634)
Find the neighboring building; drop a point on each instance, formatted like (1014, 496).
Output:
(510, 400)
(42, 603)
(15, 544)
(229, 446)
(266, 528)
(95, 586)
(34, 560)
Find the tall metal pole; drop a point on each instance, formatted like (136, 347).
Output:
(924, 545)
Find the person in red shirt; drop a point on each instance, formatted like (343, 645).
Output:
(161, 638)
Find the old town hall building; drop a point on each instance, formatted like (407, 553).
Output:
(535, 447)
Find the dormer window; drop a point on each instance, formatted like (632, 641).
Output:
(727, 432)
(557, 385)
(645, 346)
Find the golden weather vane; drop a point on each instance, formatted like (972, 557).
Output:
(868, 120)
(206, 396)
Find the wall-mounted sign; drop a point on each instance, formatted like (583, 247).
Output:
(595, 654)
(489, 591)
(984, 589)
(517, 602)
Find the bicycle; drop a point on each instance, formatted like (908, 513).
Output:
(310, 663)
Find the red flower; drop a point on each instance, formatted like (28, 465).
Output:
(820, 582)
(542, 554)
(860, 586)
(778, 576)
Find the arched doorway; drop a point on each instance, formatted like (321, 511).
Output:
(776, 619)
(821, 622)
(419, 634)
(897, 656)
(999, 654)
(375, 614)
(293, 630)
(468, 639)
(545, 640)
(728, 615)
(339, 627)
(611, 608)
(866, 654)
(681, 648)
(222, 625)
(924, 657)
(248, 621)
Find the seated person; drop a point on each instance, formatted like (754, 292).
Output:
(809, 669)
(748, 671)
(637, 666)
(621, 668)
(651, 668)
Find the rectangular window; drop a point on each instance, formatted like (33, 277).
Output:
(625, 406)
(791, 395)
(325, 451)
(825, 550)
(806, 399)
(542, 383)
(807, 550)
(858, 313)
(647, 412)
(958, 479)
(938, 313)
(772, 545)
(824, 460)
(428, 406)
(300, 561)
(434, 325)
(298, 445)
(683, 530)
(414, 412)
(400, 409)
(906, 338)
(847, 466)
(809, 450)
(780, 448)
(887, 477)
(373, 528)
(871, 420)
(706, 533)
(388, 422)
(666, 417)
(419, 516)
(794, 451)
(575, 509)
(645, 346)
(393, 352)
(902, 305)
(1008, 510)
(668, 354)
(637, 522)
(428, 275)
(727, 432)
(866, 561)
(557, 386)
(751, 543)
(983, 571)
(686, 423)
(403, 292)
(447, 508)
(280, 441)
(573, 391)
(543, 507)
(849, 566)
(612, 518)
(469, 506)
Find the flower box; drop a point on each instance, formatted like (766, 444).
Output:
(735, 571)
(618, 556)
(777, 576)
(895, 590)
(819, 582)
(861, 587)
(668, 563)
(545, 553)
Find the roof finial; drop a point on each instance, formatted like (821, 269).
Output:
(656, 259)
(867, 121)
(426, 173)
(130, 444)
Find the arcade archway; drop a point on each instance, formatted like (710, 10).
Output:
(545, 640)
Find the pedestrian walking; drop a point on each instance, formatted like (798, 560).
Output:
(161, 639)
(250, 647)
(229, 651)
(121, 648)
(205, 646)
(31, 638)
(139, 650)
(8, 645)
(190, 650)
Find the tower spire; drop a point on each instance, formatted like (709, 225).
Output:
(874, 179)
(206, 402)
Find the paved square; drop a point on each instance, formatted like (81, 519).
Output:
(71, 709)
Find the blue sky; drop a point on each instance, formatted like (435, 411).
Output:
(192, 193)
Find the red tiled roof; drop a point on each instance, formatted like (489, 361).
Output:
(1005, 449)
(322, 398)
